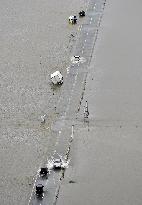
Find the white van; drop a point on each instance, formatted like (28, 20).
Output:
(72, 19)
(56, 78)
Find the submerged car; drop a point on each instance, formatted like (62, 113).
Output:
(56, 78)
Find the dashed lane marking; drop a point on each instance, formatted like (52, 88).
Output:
(35, 179)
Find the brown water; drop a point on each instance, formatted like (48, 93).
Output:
(35, 40)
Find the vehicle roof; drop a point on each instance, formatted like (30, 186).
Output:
(72, 17)
(55, 73)
(39, 185)
(57, 160)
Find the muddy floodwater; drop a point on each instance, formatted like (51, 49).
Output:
(35, 40)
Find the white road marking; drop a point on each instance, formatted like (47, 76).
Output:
(34, 185)
(68, 69)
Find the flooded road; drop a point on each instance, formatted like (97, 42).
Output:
(103, 151)
(106, 153)
(70, 104)
(35, 40)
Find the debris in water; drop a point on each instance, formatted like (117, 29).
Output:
(72, 182)
(72, 35)
(43, 118)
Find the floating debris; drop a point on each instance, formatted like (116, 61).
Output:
(72, 35)
(43, 118)
(72, 182)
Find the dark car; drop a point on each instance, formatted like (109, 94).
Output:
(44, 171)
(39, 190)
(82, 13)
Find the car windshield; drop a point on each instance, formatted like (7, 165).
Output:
(57, 161)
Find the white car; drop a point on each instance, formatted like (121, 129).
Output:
(57, 164)
(56, 78)
(72, 19)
